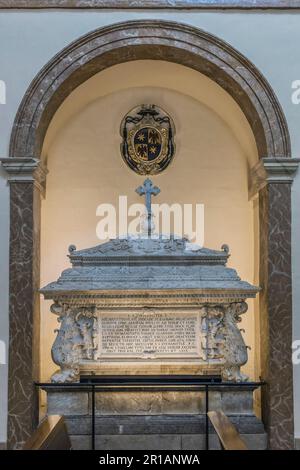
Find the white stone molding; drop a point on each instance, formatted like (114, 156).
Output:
(26, 170)
(272, 170)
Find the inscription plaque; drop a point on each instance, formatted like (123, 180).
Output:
(142, 335)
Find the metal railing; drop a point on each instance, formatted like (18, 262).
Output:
(165, 383)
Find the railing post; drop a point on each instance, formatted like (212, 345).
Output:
(206, 419)
(93, 417)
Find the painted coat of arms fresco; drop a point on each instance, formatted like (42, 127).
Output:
(148, 139)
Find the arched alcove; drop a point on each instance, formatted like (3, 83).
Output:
(215, 148)
(202, 52)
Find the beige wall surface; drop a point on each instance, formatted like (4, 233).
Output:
(29, 39)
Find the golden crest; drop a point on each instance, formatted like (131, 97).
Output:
(148, 145)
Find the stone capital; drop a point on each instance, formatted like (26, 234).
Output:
(26, 170)
(272, 170)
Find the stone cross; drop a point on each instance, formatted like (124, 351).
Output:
(148, 190)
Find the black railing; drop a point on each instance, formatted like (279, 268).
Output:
(150, 384)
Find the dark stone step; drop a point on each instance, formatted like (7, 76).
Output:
(158, 424)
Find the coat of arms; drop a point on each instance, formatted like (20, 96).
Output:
(148, 139)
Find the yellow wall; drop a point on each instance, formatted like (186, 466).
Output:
(215, 148)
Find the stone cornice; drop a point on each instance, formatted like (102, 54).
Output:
(26, 170)
(168, 299)
(151, 4)
(272, 170)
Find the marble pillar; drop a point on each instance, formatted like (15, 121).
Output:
(276, 314)
(272, 178)
(26, 179)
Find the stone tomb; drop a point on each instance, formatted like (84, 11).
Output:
(149, 306)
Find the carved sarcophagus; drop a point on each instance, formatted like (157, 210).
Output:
(149, 306)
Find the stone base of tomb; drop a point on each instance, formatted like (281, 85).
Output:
(153, 419)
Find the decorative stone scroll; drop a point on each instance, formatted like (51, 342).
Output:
(74, 341)
(234, 350)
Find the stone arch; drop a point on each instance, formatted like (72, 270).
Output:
(191, 47)
(150, 39)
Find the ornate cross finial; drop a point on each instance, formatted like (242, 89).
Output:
(148, 190)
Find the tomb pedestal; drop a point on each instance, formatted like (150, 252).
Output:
(154, 419)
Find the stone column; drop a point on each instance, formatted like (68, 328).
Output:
(26, 177)
(272, 179)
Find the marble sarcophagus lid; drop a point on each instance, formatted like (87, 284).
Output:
(143, 305)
